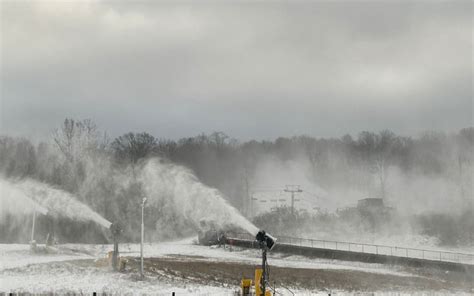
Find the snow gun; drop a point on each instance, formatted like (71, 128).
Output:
(116, 231)
(266, 243)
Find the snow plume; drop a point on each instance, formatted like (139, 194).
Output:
(191, 198)
(29, 195)
(14, 201)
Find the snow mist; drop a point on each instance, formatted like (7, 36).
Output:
(27, 195)
(13, 201)
(192, 199)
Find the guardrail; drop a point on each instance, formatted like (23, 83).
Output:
(372, 249)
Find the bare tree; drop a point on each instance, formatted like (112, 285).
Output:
(134, 146)
(76, 138)
(377, 151)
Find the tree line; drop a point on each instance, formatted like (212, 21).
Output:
(81, 159)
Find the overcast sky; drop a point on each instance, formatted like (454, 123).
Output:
(251, 70)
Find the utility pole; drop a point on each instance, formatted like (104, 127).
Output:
(116, 230)
(252, 205)
(293, 189)
(33, 227)
(248, 197)
(142, 235)
(264, 269)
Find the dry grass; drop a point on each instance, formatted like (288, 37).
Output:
(228, 273)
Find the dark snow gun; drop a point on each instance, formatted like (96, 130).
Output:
(265, 240)
(116, 231)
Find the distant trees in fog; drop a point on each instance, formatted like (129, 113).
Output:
(80, 158)
(223, 162)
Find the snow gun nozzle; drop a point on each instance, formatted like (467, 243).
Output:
(265, 240)
(116, 229)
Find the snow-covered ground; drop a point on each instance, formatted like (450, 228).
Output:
(21, 271)
(18, 255)
(61, 278)
(187, 247)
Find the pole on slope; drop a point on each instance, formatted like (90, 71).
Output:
(32, 241)
(142, 236)
(33, 227)
(264, 270)
(116, 230)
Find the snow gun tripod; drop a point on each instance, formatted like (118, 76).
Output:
(116, 231)
(266, 242)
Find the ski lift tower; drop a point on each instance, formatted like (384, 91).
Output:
(293, 189)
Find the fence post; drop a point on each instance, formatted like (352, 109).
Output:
(336, 245)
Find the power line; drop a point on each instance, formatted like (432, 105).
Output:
(315, 195)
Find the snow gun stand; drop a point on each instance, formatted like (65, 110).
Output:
(266, 243)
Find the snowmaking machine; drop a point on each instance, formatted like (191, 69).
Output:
(211, 233)
(116, 231)
(266, 243)
(34, 247)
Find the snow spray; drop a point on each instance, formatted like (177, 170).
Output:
(192, 199)
(13, 201)
(40, 196)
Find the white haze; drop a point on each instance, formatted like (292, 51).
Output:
(415, 194)
(30, 194)
(272, 175)
(14, 201)
(408, 193)
(191, 198)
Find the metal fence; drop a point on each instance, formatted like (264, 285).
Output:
(372, 248)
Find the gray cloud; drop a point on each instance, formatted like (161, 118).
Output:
(251, 70)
